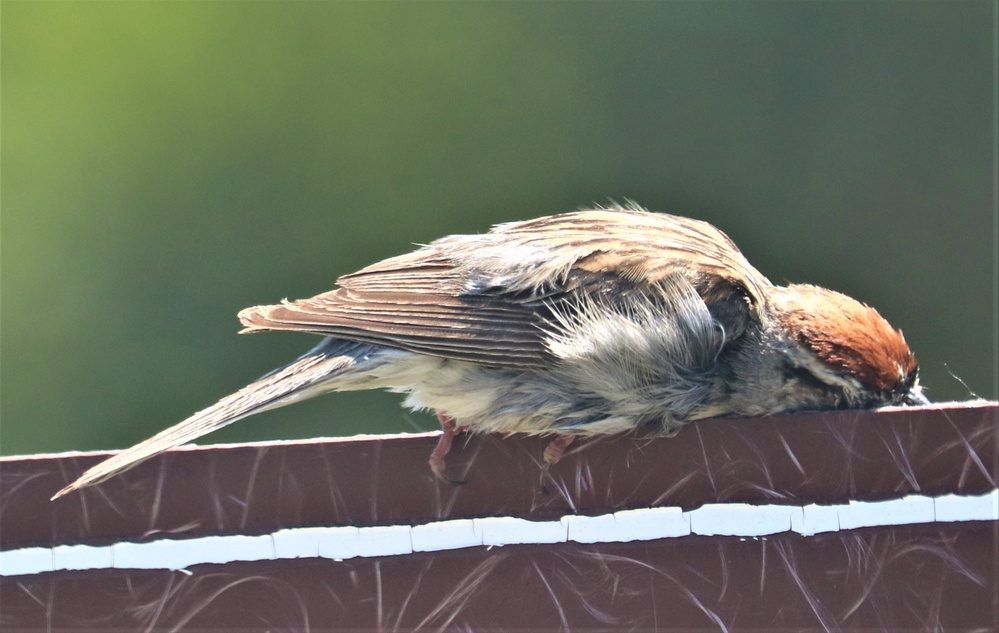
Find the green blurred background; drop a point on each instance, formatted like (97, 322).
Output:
(167, 164)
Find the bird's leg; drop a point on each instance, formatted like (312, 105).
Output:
(450, 429)
(556, 448)
(553, 453)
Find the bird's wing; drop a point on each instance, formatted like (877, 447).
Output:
(490, 298)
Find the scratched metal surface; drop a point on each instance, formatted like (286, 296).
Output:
(260, 488)
(922, 577)
(918, 578)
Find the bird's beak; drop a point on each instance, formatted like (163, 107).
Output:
(915, 397)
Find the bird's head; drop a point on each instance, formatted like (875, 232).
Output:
(847, 347)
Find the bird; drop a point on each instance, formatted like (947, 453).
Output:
(582, 324)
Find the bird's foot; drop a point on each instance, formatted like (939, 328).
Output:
(553, 453)
(450, 429)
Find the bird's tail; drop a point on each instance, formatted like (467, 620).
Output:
(308, 376)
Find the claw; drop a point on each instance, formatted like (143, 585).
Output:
(553, 453)
(450, 429)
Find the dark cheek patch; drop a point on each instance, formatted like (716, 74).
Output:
(827, 396)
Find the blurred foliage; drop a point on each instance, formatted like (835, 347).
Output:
(166, 164)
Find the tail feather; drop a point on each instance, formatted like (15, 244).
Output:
(306, 377)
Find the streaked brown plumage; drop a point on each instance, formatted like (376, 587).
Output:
(584, 323)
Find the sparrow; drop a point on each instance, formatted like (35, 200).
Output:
(588, 323)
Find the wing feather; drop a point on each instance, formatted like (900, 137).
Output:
(490, 298)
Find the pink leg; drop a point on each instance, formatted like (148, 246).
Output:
(451, 429)
(553, 453)
(555, 449)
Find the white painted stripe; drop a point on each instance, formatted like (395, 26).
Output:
(444, 535)
(80, 557)
(718, 519)
(911, 509)
(741, 519)
(513, 531)
(387, 540)
(651, 524)
(956, 508)
(29, 560)
(338, 542)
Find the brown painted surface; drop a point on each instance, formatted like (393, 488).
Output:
(916, 578)
(919, 577)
